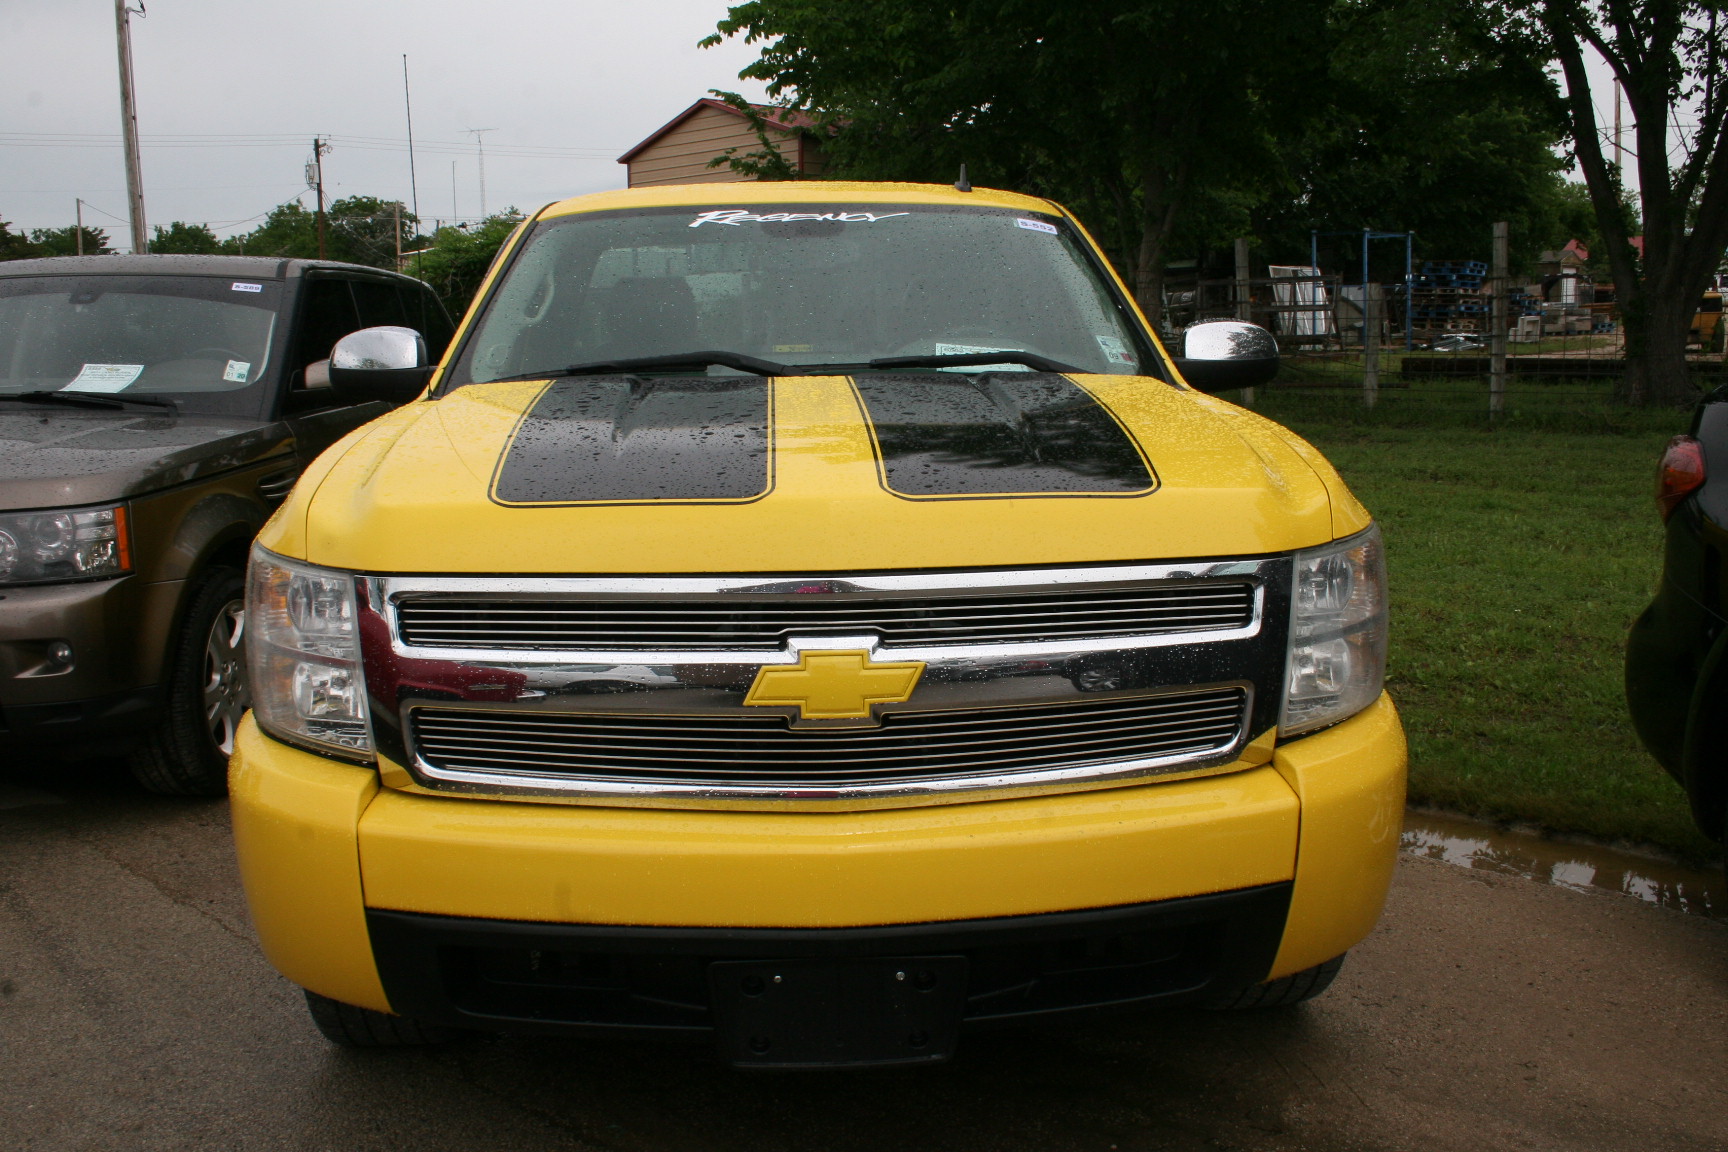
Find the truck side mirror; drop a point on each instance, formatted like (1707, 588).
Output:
(387, 364)
(1224, 355)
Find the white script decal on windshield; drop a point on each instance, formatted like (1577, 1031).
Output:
(737, 216)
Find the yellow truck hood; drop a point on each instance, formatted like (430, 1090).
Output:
(809, 474)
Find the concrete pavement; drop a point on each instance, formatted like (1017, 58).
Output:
(1485, 1013)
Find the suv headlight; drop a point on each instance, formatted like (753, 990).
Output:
(64, 544)
(303, 652)
(1337, 661)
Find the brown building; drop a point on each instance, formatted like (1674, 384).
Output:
(679, 152)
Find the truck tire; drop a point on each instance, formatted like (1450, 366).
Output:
(353, 1027)
(1283, 992)
(187, 753)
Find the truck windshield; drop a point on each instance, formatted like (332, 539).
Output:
(197, 339)
(805, 286)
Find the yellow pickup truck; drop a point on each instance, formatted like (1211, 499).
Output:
(819, 620)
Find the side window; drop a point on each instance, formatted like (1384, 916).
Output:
(434, 324)
(326, 315)
(380, 303)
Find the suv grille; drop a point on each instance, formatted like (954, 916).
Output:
(763, 751)
(750, 622)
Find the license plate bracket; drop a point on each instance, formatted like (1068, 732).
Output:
(819, 1013)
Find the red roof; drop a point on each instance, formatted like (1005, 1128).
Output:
(784, 119)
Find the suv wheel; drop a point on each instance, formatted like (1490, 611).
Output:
(1281, 993)
(187, 754)
(353, 1027)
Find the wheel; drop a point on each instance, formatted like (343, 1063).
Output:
(353, 1027)
(1282, 993)
(187, 753)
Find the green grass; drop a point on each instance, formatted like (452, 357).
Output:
(1519, 554)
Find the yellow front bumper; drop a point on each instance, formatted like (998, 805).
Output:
(319, 842)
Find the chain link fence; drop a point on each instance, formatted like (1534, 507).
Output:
(1444, 347)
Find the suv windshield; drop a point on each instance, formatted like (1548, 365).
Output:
(198, 340)
(805, 285)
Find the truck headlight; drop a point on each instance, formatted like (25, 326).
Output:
(63, 544)
(1337, 661)
(303, 652)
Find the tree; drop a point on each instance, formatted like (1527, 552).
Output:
(64, 241)
(457, 259)
(181, 238)
(1123, 108)
(367, 230)
(1435, 122)
(1668, 56)
(16, 245)
(289, 230)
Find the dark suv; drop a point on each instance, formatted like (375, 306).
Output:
(1677, 654)
(153, 411)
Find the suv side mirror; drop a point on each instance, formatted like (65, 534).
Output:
(387, 364)
(1224, 355)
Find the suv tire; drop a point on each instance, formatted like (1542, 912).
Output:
(187, 753)
(1281, 993)
(353, 1027)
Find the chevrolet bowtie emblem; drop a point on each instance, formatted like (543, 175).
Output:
(833, 685)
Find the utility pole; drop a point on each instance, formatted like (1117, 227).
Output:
(78, 233)
(480, 144)
(316, 179)
(396, 230)
(455, 214)
(129, 126)
(408, 105)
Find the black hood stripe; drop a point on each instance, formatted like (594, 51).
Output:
(629, 440)
(998, 435)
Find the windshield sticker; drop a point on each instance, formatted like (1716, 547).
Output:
(738, 216)
(104, 378)
(1114, 350)
(242, 287)
(974, 350)
(1036, 226)
(237, 371)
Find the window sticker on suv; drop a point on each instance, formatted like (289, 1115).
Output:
(243, 287)
(1036, 226)
(104, 377)
(738, 216)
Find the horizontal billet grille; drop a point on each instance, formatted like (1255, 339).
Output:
(750, 622)
(765, 752)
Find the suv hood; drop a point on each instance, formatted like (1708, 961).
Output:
(52, 456)
(809, 474)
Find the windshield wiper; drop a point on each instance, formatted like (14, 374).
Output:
(91, 399)
(652, 363)
(975, 360)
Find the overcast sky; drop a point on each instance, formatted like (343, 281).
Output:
(231, 92)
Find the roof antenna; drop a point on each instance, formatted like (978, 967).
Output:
(963, 184)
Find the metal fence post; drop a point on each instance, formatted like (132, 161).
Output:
(1244, 300)
(1373, 308)
(1497, 330)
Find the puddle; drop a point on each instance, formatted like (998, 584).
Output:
(1580, 867)
(16, 796)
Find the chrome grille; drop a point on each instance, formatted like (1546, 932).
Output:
(744, 751)
(761, 623)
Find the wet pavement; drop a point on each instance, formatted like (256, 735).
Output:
(1582, 867)
(1486, 1012)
